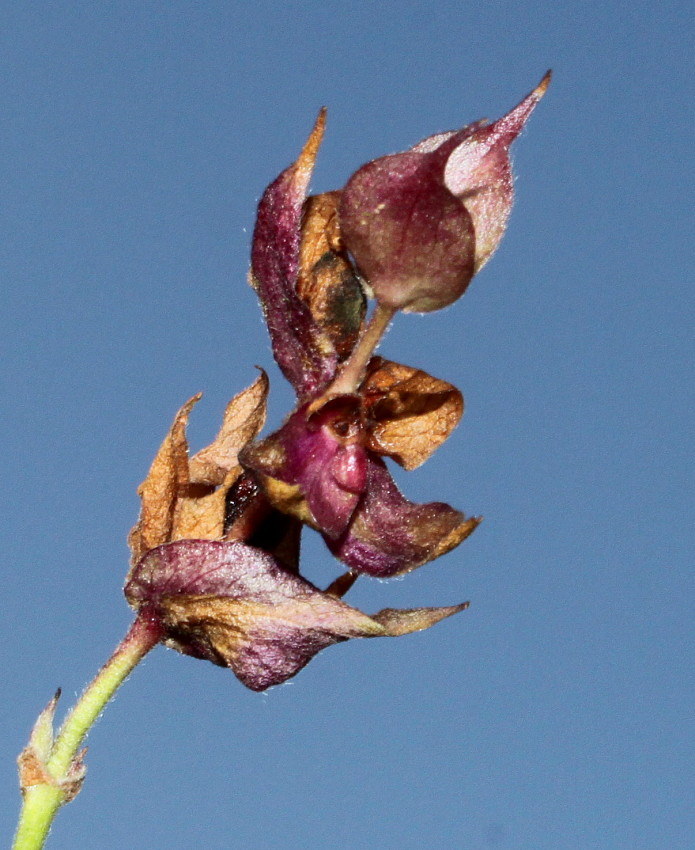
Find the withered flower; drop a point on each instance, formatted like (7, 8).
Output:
(323, 466)
(214, 596)
(236, 606)
(216, 548)
(420, 224)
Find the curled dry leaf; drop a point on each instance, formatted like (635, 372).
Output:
(186, 498)
(243, 419)
(158, 492)
(326, 280)
(411, 413)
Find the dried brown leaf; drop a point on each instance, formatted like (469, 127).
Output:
(326, 281)
(243, 419)
(202, 516)
(158, 492)
(411, 412)
(184, 498)
(320, 232)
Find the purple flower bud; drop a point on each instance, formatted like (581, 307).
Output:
(419, 224)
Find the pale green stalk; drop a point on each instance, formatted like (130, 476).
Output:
(42, 801)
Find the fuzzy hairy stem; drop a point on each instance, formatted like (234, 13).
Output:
(41, 801)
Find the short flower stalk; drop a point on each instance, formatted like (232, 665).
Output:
(215, 568)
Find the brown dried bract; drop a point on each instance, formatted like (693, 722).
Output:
(32, 770)
(326, 280)
(32, 761)
(182, 497)
(243, 419)
(411, 412)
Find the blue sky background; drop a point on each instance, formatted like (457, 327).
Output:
(555, 714)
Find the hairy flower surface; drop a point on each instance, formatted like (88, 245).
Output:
(236, 606)
(419, 224)
(323, 465)
(215, 552)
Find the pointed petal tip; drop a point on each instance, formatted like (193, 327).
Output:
(305, 161)
(319, 126)
(398, 621)
(542, 87)
(512, 123)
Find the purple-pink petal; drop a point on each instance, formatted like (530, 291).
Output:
(300, 347)
(410, 237)
(389, 535)
(323, 455)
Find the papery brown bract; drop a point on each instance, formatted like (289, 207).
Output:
(182, 497)
(419, 224)
(236, 606)
(410, 413)
(326, 280)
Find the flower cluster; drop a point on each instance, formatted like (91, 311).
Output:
(216, 547)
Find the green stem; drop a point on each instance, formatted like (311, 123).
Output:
(41, 802)
(352, 371)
